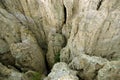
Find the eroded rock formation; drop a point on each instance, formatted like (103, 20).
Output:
(61, 71)
(84, 35)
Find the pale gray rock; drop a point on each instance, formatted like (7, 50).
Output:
(61, 71)
(90, 27)
(87, 66)
(111, 71)
(65, 55)
(28, 54)
(95, 28)
(66, 30)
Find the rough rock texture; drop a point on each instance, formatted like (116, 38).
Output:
(95, 31)
(9, 74)
(85, 34)
(3, 47)
(56, 43)
(111, 71)
(27, 53)
(7, 59)
(13, 74)
(61, 71)
(87, 66)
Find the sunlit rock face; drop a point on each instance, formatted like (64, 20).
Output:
(110, 71)
(61, 71)
(85, 34)
(95, 33)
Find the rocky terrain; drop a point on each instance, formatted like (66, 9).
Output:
(59, 39)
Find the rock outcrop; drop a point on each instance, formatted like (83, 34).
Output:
(87, 66)
(56, 43)
(28, 54)
(9, 74)
(84, 35)
(61, 71)
(111, 71)
(13, 74)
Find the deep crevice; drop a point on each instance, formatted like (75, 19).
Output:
(18, 68)
(99, 4)
(47, 66)
(65, 14)
(79, 77)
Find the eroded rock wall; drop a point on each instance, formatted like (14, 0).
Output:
(85, 34)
